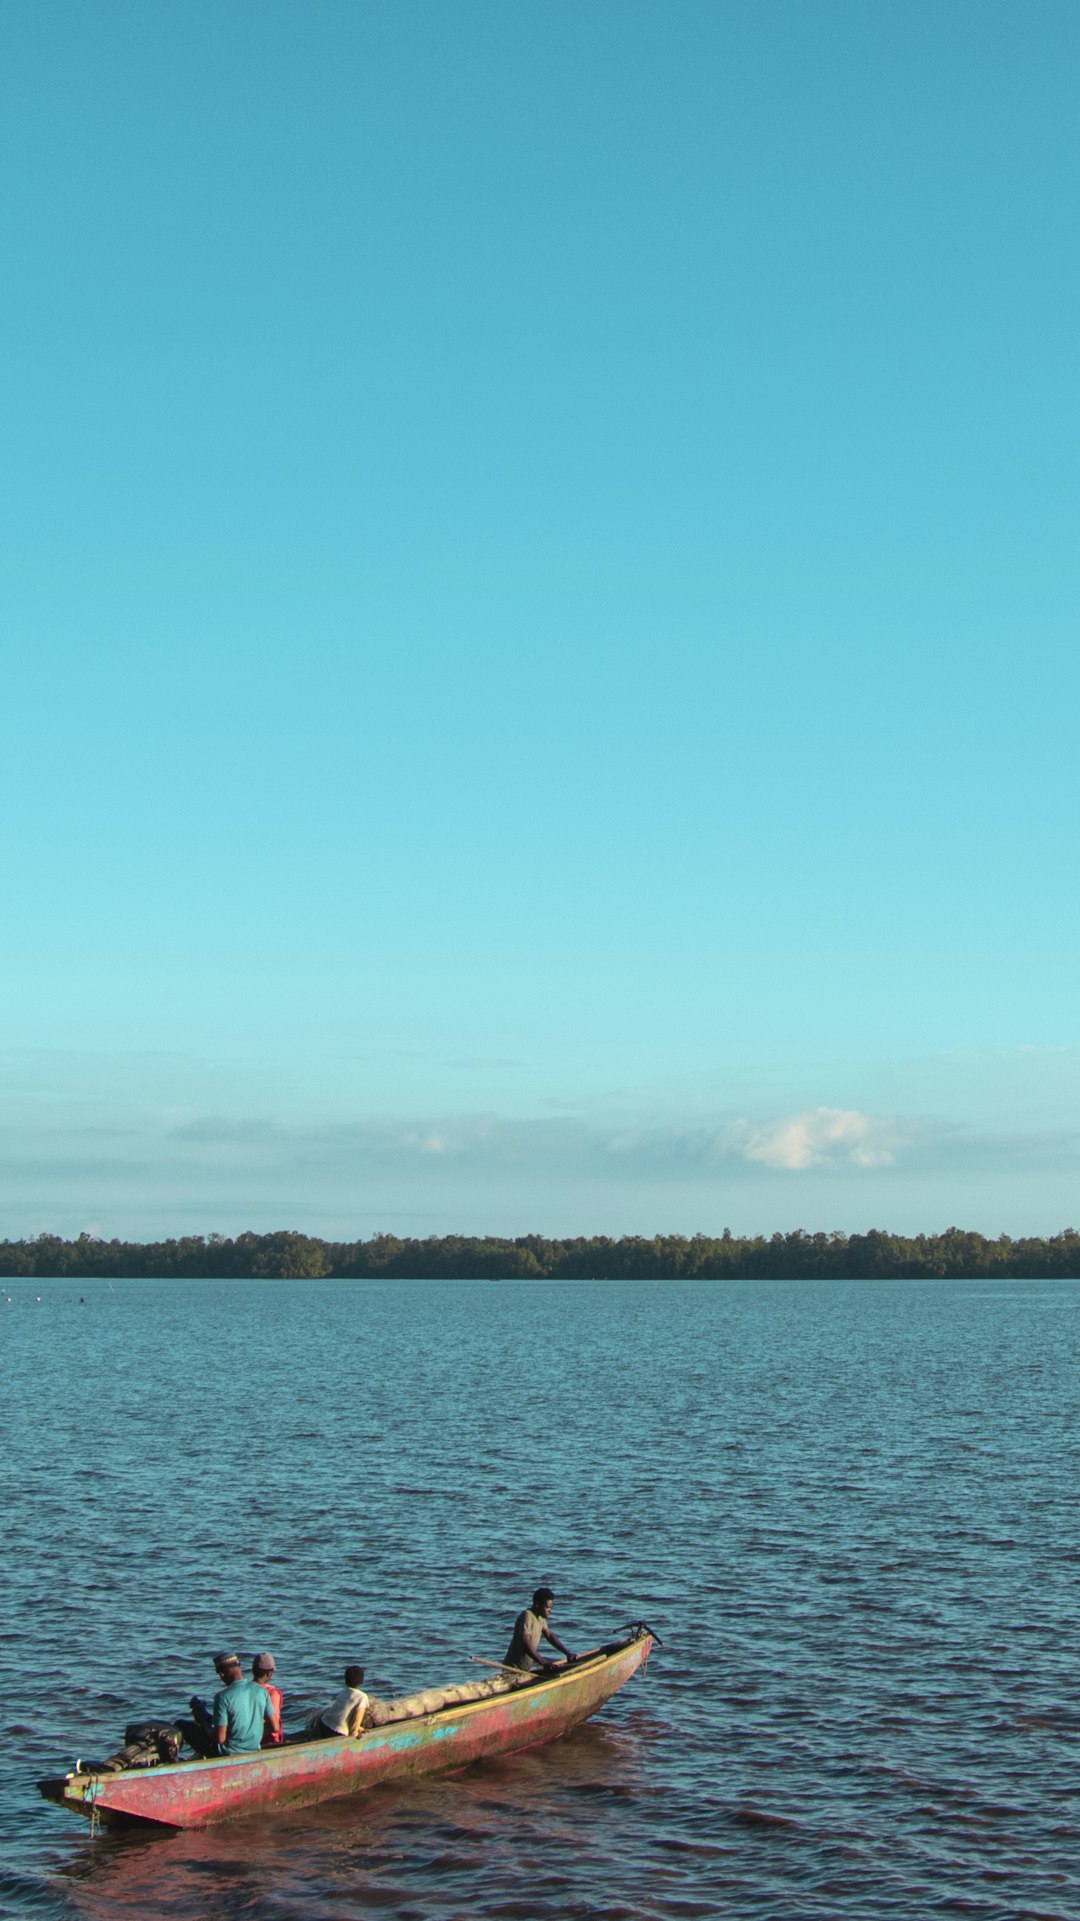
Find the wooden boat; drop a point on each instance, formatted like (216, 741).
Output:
(511, 1713)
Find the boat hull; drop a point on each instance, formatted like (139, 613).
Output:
(195, 1794)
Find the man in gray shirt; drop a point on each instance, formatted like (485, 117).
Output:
(530, 1629)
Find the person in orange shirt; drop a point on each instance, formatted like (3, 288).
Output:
(262, 1671)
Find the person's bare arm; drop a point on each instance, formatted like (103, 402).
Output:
(549, 1634)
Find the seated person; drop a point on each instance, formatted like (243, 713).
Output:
(241, 1711)
(262, 1671)
(529, 1628)
(346, 1712)
(199, 1731)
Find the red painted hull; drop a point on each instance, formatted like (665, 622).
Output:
(196, 1794)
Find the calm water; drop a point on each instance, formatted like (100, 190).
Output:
(850, 1509)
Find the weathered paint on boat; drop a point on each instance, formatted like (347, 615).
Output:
(195, 1794)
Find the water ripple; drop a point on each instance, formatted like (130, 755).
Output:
(850, 1508)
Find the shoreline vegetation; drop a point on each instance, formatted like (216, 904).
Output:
(956, 1254)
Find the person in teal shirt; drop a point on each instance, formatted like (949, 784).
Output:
(241, 1710)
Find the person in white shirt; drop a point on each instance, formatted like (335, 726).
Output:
(345, 1714)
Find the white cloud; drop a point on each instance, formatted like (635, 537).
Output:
(825, 1136)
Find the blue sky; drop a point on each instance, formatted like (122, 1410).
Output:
(539, 599)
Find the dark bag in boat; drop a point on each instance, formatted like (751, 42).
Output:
(146, 1745)
(140, 1732)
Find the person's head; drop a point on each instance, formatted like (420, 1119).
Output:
(543, 1602)
(262, 1667)
(223, 1661)
(354, 1677)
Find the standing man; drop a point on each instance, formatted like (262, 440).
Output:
(241, 1710)
(262, 1671)
(529, 1629)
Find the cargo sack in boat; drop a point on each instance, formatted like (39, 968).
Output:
(431, 1700)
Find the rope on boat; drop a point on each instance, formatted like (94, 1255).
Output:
(93, 1790)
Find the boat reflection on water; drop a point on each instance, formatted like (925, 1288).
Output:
(398, 1847)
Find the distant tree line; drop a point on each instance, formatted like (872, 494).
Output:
(957, 1253)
